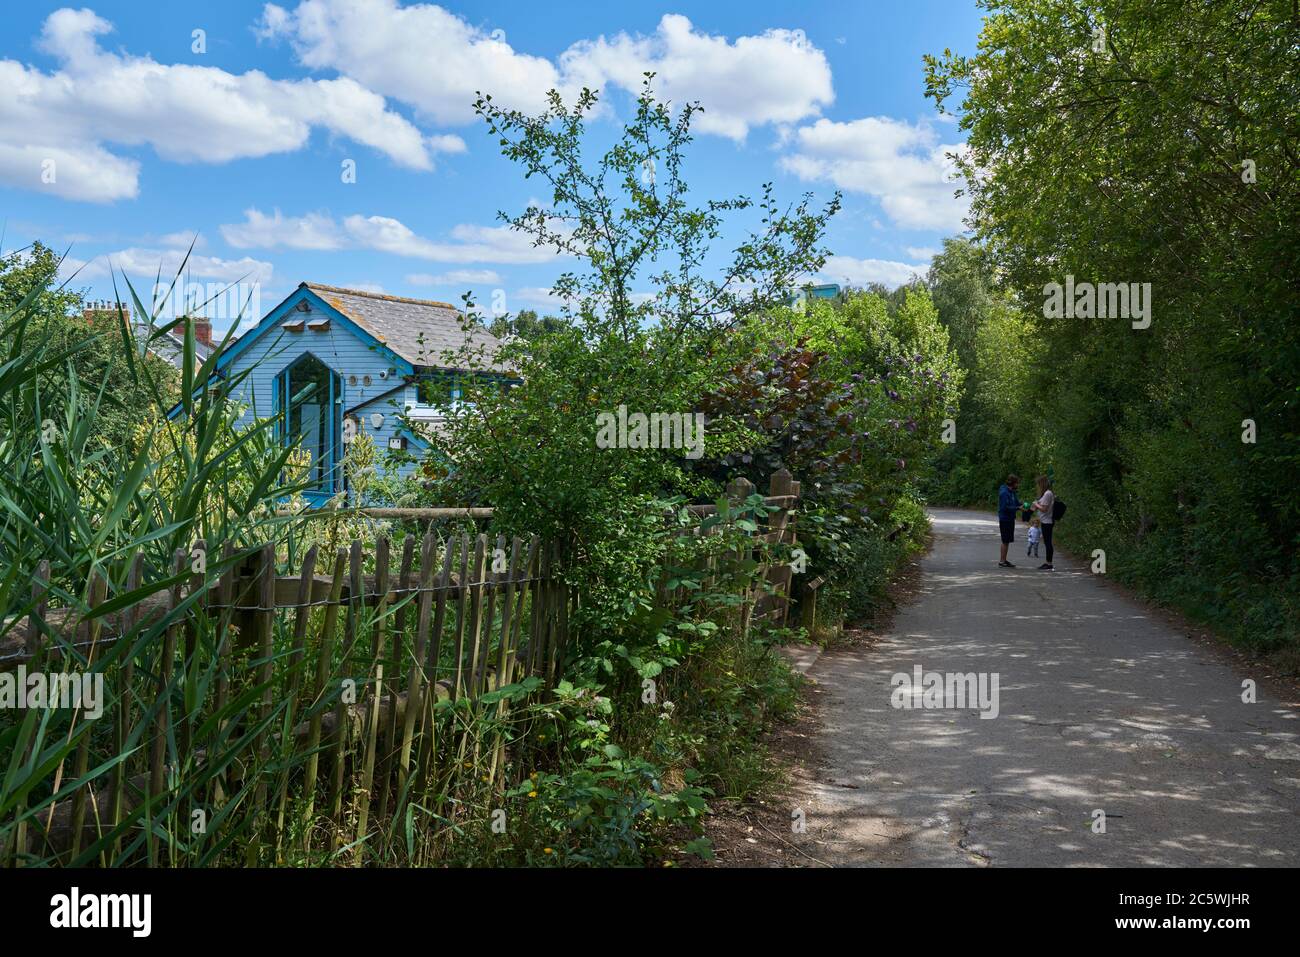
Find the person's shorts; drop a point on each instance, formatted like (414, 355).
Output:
(1008, 529)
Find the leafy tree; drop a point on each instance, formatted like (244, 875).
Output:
(34, 268)
(961, 285)
(1120, 142)
(524, 324)
(850, 396)
(55, 320)
(1000, 426)
(640, 323)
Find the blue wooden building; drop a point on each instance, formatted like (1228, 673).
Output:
(328, 363)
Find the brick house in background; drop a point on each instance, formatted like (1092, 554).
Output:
(169, 347)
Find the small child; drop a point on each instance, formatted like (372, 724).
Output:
(1035, 536)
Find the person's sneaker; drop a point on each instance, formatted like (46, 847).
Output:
(1005, 565)
(1046, 567)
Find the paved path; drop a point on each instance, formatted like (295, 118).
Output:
(1102, 706)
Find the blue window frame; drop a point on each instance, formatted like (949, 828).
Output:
(446, 388)
(309, 414)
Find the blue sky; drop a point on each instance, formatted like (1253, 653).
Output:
(119, 142)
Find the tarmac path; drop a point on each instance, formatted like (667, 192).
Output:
(1101, 707)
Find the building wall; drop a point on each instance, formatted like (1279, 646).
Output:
(344, 353)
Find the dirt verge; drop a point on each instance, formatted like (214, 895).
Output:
(758, 833)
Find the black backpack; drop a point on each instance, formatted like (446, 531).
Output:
(1058, 510)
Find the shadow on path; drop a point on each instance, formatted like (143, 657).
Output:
(1101, 707)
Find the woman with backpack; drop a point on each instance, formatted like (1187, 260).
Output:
(1046, 508)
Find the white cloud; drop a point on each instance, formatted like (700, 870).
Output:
(537, 297)
(774, 77)
(921, 252)
(447, 143)
(88, 172)
(421, 54)
(185, 113)
(274, 22)
(182, 238)
(260, 231)
(468, 243)
(903, 165)
(143, 266)
(860, 272)
(472, 244)
(456, 277)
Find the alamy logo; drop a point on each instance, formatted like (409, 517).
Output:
(214, 300)
(74, 910)
(933, 690)
(19, 690)
(658, 430)
(1108, 300)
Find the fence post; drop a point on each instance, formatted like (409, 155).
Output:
(265, 674)
(402, 597)
(417, 679)
(162, 717)
(126, 674)
(809, 605)
(738, 491)
(362, 799)
(433, 655)
(474, 635)
(36, 621)
(296, 664)
(504, 664)
(537, 623)
(780, 576)
(190, 662)
(324, 660)
(98, 590)
(462, 604)
(344, 710)
(225, 616)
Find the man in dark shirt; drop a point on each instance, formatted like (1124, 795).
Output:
(1008, 504)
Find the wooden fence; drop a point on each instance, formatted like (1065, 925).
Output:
(464, 619)
(239, 681)
(771, 600)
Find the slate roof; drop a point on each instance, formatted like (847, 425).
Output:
(170, 347)
(418, 330)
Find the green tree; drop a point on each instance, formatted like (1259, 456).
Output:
(641, 327)
(56, 321)
(1151, 143)
(525, 324)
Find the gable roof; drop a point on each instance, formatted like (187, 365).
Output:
(418, 330)
(412, 333)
